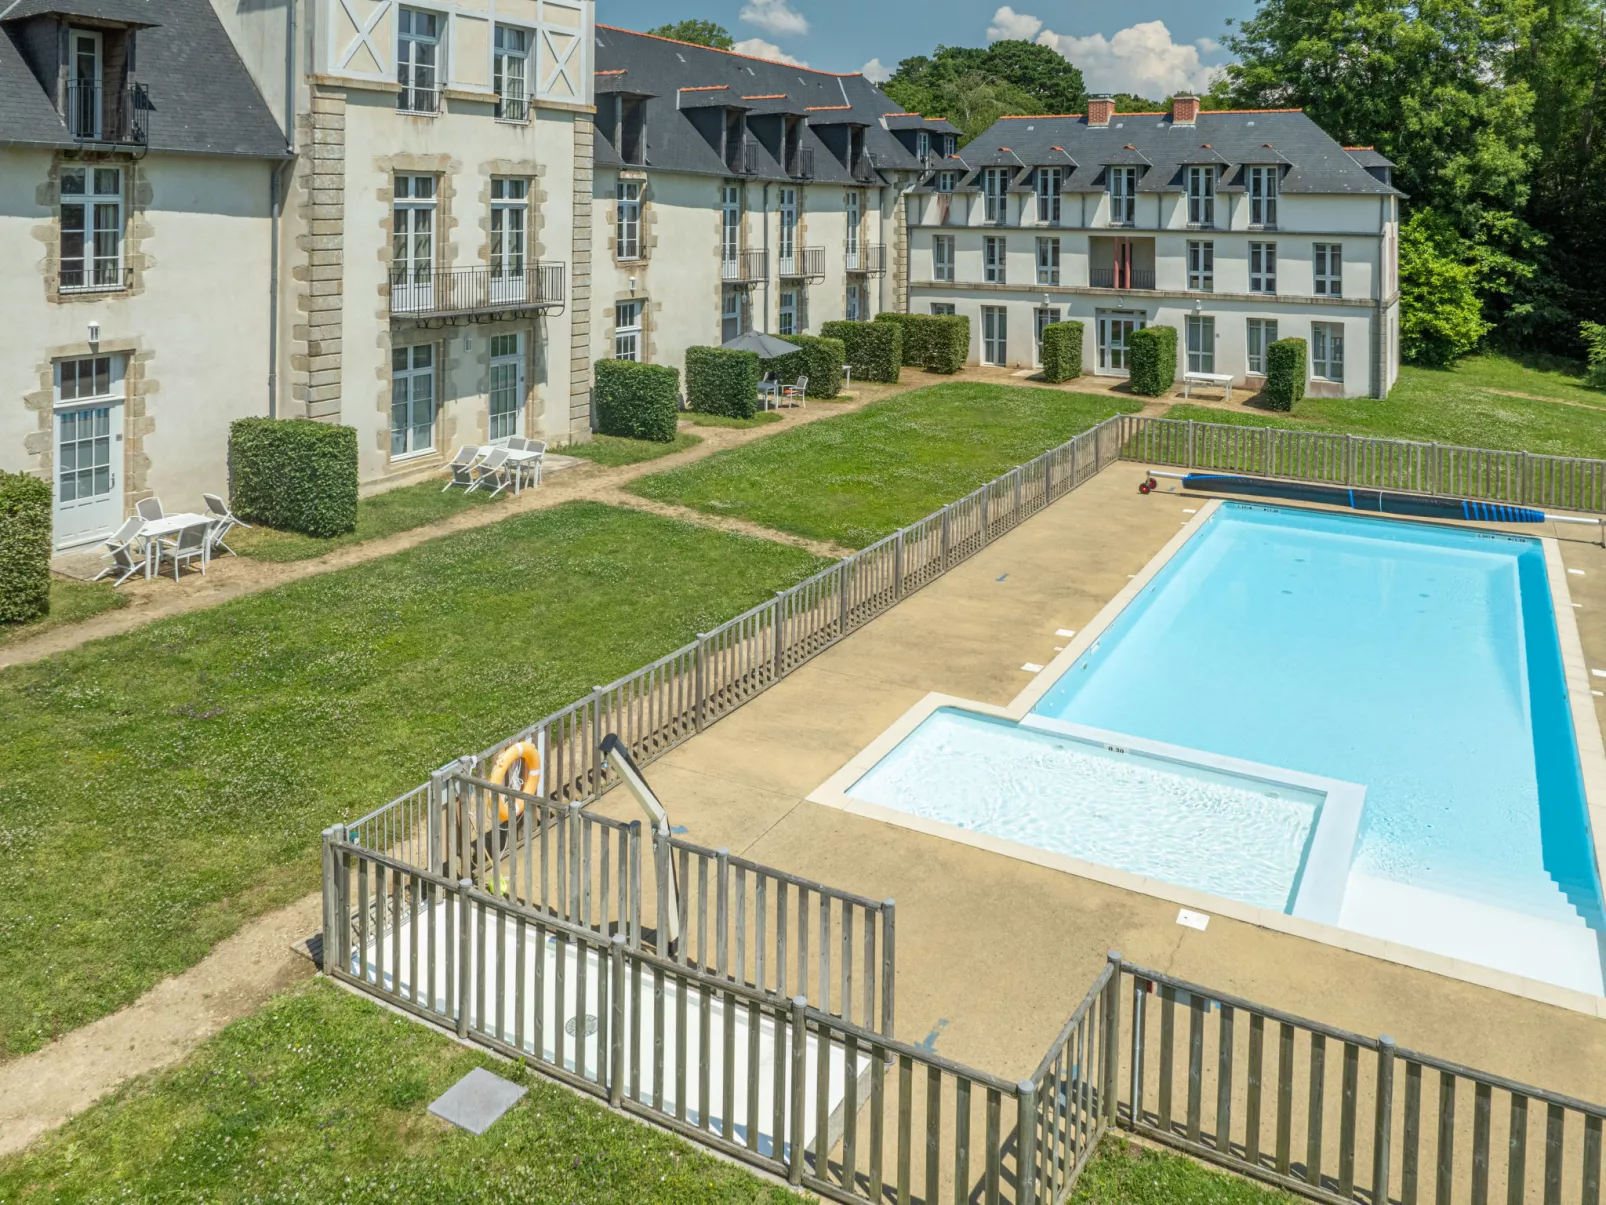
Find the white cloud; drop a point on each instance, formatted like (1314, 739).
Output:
(1011, 26)
(775, 16)
(760, 49)
(875, 71)
(1141, 59)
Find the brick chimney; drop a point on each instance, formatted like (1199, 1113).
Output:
(1184, 110)
(1100, 109)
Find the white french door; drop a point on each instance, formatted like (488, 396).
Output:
(1115, 333)
(88, 449)
(995, 334)
(507, 386)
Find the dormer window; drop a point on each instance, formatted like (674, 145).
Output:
(946, 181)
(1049, 181)
(511, 74)
(1202, 196)
(1263, 196)
(101, 102)
(923, 144)
(995, 188)
(1123, 188)
(85, 86)
(949, 145)
(418, 45)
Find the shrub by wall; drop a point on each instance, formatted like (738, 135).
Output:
(818, 359)
(1285, 374)
(935, 342)
(637, 401)
(24, 547)
(722, 382)
(1594, 337)
(1062, 351)
(294, 474)
(1152, 358)
(874, 350)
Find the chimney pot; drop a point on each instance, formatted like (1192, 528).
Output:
(1100, 109)
(1184, 110)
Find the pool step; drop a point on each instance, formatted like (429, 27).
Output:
(1566, 953)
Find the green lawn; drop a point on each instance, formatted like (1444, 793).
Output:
(1455, 406)
(858, 476)
(321, 1097)
(70, 602)
(1123, 1173)
(761, 418)
(384, 514)
(159, 788)
(614, 450)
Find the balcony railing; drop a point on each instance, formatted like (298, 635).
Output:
(862, 168)
(1108, 278)
(513, 109)
(419, 96)
(747, 267)
(96, 113)
(742, 157)
(807, 264)
(464, 292)
(800, 163)
(868, 258)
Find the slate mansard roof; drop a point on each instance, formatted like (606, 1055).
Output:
(202, 98)
(679, 79)
(1160, 148)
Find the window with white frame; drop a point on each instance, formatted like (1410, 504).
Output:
(1201, 343)
(942, 257)
(995, 190)
(786, 244)
(1327, 350)
(922, 144)
(946, 181)
(1329, 269)
(786, 315)
(86, 455)
(855, 303)
(628, 242)
(510, 200)
(1202, 195)
(418, 47)
(1262, 267)
(1049, 182)
(91, 228)
(627, 330)
(1263, 196)
(950, 143)
(1123, 188)
(852, 209)
(412, 399)
(942, 309)
(510, 72)
(507, 386)
(993, 253)
(730, 227)
(731, 315)
(1262, 334)
(1201, 266)
(994, 334)
(1048, 261)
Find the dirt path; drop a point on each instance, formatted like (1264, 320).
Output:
(236, 577)
(41, 1090)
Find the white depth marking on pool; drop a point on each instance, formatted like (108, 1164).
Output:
(1032, 667)
(642, 1003)
(1192, 919)
(1064, 631)
(1599, 673)
(1576, 572)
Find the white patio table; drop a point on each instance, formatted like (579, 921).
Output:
(170, 525)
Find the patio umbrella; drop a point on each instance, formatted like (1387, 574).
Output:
(767, 346)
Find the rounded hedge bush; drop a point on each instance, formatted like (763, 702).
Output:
(1285, 374)
(722, 382)
(1062, 351)
(637, 401)
(294, 474)
(1152, 359)
(874, 349)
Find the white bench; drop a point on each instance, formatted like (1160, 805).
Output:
(1219, 380)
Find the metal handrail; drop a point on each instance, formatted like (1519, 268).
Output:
(1105, 278)
(432, 291)
(807, 264)
(99, 113)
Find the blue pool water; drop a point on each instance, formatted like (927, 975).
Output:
(1419, 661)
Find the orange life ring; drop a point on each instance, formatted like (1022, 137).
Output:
(527, 757)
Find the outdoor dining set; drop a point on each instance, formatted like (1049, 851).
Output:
(496, 468)
(151, 538)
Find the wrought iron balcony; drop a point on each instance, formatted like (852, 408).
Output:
(120, 116)
(1109, 278)
(800, 163)
(512, 108)
(419, 95)
(862, 168)
(807, 264)
(747, 267)
(742, 157)
(476, 293)
(870, 259)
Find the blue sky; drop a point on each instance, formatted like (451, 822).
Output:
(1150, 48)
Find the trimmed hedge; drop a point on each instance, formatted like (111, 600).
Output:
(1594, 336)
(818, 359)
(1285, 374)
(1152, 358)
(1062, 351)
(874, 350)
(935, 342)
(24, 547)
(638, 401)
(722, 382)
(294, 474)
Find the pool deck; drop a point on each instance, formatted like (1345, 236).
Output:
(994, 952)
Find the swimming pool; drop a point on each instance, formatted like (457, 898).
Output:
(1421, 662)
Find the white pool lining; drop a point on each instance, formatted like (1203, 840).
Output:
(1591, 751)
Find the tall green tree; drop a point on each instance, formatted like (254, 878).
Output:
(974, 86)
(1441, 316)
(698, 32)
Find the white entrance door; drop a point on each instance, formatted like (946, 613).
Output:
(89, 449)
(1115, 331)
(994, 334)
(507, 386)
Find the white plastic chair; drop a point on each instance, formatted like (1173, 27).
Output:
(149, 509)
(126, 560)
(462, 466)
(223, 522)
(494, 468)
(534, 455)
(189, 546)
(796, 395)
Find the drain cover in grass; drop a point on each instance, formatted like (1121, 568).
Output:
(477, 1100)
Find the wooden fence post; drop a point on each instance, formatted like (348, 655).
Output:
(436, 820)
(778, 626)
(799, 1036)
(596, 742)
(897, 565)
(1192, 445)
(333, 863)
(843, 589)
(701, 684)
(1383, 1120)
(889, 964)
(465, 960)
(1026, 1142)
(946, 538)
(616, 1028)
(1111, 1071)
